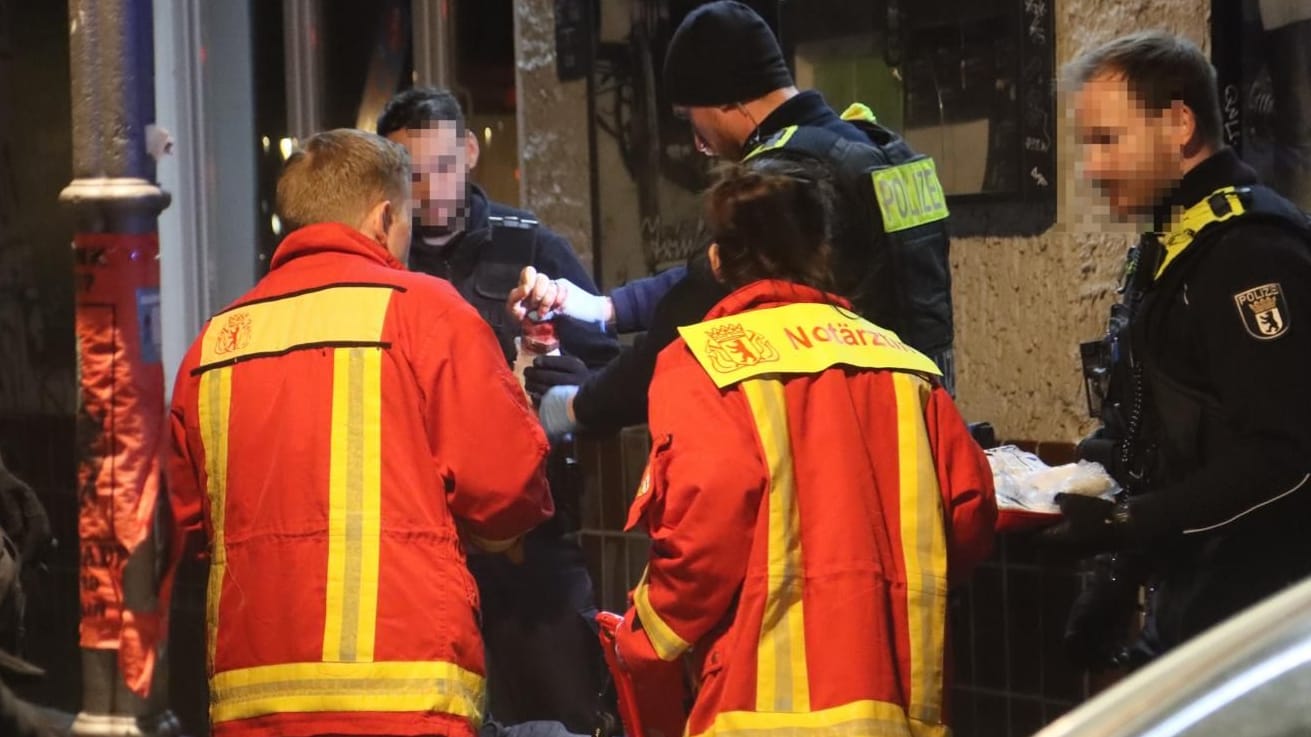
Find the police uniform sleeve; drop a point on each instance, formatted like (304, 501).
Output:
(635, 302)
(616, 396)
(556, 257)
(706, 480)
(1252, 300)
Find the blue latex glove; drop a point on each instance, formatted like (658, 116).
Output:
(555, 412)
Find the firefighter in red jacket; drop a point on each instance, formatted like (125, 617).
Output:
(811, 493)
(333, 435)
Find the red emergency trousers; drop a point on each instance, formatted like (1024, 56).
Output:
(336, 433)
(805, 529)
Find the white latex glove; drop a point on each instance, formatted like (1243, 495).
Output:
(556, 412)
(541, 298)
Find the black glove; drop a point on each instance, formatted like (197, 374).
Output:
(1098, 625)
(22, 517)
(1089, 522)
(549, 371)
(1098, 450)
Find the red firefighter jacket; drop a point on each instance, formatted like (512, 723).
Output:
(810, 495)
(336, 433)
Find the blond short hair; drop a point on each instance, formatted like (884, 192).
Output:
(338, 176)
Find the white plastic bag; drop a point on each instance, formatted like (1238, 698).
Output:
(1025, 483)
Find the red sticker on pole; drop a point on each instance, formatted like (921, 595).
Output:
(120, 417)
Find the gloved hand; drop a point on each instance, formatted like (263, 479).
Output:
(549, 371)
(1102, 449)
(1087, 522)
(556, 412)
(22, 517)
(543, 298)
(1098, 624)
(1098, 450)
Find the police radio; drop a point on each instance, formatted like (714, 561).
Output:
(1101, 357)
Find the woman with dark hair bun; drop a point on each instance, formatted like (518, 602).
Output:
(770, 220)
(811, 492)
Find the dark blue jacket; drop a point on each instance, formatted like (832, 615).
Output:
(615, 397)
(486, 286)
(636, 301)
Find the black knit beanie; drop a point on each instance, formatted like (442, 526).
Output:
(723, 53)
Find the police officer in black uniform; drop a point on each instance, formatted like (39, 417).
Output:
(537, 615)
(1208, 410)
(725, 73)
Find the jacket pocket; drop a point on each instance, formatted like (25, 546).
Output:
(651, 488)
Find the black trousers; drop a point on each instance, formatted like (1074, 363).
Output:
(544, 660)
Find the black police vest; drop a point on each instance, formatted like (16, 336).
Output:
(1186, 425)
(511, 245)
(891, 243)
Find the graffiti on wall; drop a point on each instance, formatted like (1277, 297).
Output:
(1262, 54)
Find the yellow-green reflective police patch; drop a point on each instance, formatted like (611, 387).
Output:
(909, 195)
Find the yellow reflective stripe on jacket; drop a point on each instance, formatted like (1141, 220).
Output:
(782, 675)
(859, 111)
(666, 643)
(354, 505)
(215, 399)
(924, 550)
(341, 315)
(909, 195)
(346, 687)
(1190, 223)
(777, 141)
(856, 719)
(803, 338)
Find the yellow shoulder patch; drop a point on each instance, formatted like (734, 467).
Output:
(337, 315)
(804, 338)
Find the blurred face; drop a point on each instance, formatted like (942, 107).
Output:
(718, 131)
(440, 159)
(1132, 155)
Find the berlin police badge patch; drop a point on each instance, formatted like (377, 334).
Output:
(1264, 311)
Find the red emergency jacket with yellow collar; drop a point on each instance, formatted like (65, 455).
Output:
(338, 434)
(810, 495)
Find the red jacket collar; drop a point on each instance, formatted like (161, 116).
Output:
(331, 238)
(771, 293)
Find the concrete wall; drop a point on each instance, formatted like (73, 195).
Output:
(1024, 304)
(553, 154)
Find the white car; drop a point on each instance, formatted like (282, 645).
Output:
(1247, 677)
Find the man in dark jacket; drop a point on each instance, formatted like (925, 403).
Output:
(545, 661)
(1208, 417)
(478, 245)
(724, 73)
